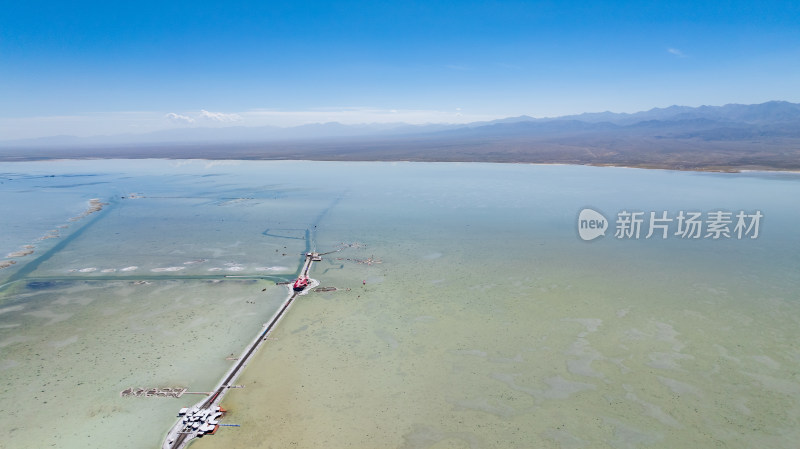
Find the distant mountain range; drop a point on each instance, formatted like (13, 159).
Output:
(730, 137)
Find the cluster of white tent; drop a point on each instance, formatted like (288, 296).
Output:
(202, 421)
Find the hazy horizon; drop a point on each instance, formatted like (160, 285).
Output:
(355, 127)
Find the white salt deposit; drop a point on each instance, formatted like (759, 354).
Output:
(161, 270)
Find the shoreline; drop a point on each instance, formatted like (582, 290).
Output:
(721, 168)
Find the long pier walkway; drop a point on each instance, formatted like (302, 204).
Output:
(201, 418)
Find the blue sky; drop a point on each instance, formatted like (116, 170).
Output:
(87, 68)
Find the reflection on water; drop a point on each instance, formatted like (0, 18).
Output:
(468, 313)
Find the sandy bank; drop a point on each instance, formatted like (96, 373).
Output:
(95, 205)
(20, 253)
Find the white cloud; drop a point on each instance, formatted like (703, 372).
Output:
(358, 115)
(219, 116)
(676, 52)
(180, 119)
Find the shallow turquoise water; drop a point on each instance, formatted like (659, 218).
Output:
(487, 322)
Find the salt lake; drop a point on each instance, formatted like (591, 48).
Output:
(468, 312)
